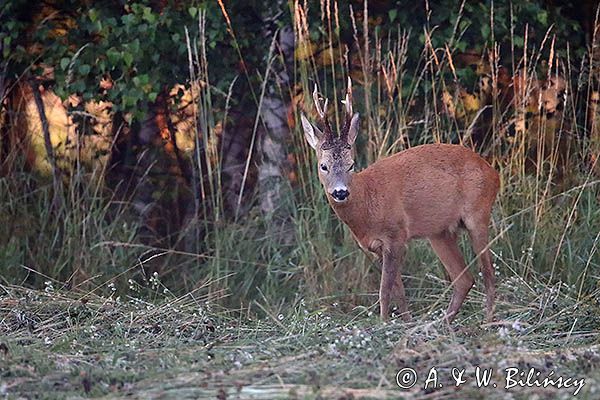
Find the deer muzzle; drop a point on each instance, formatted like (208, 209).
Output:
(340, 195)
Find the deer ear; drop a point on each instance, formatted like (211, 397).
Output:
(311, 133)
(353, 129)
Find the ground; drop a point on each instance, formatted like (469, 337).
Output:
(58, 344)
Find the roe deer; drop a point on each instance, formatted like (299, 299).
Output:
(427, 191)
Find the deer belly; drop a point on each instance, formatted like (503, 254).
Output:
(428, 221)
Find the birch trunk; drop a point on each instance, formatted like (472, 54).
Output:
(274, 189)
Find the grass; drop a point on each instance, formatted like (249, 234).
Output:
(88, 309)
(64, 344)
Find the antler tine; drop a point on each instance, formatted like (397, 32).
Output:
(348, 100)
(317, 102)
(322, 111)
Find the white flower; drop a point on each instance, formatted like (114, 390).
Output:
(517, 326)
(503, 332)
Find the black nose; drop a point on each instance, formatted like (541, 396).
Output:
(340, 195)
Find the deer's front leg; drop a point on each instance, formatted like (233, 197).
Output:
(399, 296)
(391, 284)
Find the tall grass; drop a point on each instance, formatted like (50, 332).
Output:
(544, 227)
(543, 230)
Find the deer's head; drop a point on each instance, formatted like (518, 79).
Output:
(335, 152)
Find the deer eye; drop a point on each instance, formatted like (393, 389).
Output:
(324, 168)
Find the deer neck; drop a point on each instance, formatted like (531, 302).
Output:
(353, 212)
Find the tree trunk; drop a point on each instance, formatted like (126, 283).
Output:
(274, 189)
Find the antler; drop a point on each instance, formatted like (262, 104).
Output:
(348, 107)
(322, 111)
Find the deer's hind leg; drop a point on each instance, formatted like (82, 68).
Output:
(446, 247)
(479, 235)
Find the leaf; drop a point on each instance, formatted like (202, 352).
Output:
(193, 11)
(113, 56)
(128, 101)
(144, 79)
(139, 114)
(149, 16)
(84, 69)
(152, 96)
(393, 13)
(485, 31)
(64, 63)
(93, 14)
(470, 102)
(518, 41)
(134, 47)
(78, 86)
(542, 17)
(128, 58)
(305, 50)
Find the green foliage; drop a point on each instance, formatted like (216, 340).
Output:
(470, 28)
(140, 47)
(12, 35)
(141, 50)
(478, 25)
